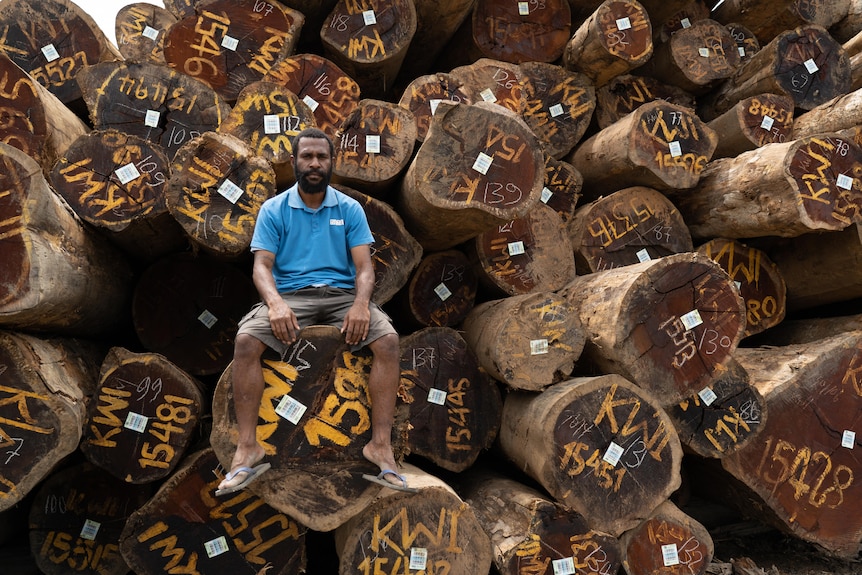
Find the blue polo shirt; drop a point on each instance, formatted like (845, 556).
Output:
(311, 247)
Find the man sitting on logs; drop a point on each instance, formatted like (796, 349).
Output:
(312, 264)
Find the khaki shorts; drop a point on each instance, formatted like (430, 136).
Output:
(314, 306)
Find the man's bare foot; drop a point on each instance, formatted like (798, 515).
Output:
(243, 459)
(382, 457)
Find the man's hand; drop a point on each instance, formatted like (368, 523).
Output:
(356, 322)
(283, 322)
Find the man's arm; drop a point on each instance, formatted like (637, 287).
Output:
(282, 319)
(358, 317)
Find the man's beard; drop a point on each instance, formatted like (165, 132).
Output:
(311, 187)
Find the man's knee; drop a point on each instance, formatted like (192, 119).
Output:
(386, 347)
(247, 348)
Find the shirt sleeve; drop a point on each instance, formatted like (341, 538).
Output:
(358, 230)
(266, 234)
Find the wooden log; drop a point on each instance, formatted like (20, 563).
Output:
(394, 254)
(615, 39)
(668, 324)
(42, 239)
(180, 8)
(187, 308)
(840, 113)
(629, 226)
(856, 72)
(216, 188)
(758, 279)
(369, 40)
(804, 63)
(373, 146)
(150, 101)
(184, 527)
(601, 446)
(518, 33)
(315, 12)
(526, 255)
(436, 23)
(317, 463)
(45, 385)
(331, 94)
(530, 532)
(723, 417)
(267, 116)
(807, 330)
(143, 416)
(802, 471)
(562, 189)
(229, 43)
(746, 42)
(696, 57)
(454, 406)
(659, 145)
(479, 167)
(140, 30)
(433, 530)
(776, 16)
(622, 94)
(494, 81)
(526, 341)
(753, 122)
(778, 189)
(668, 18)
(669, 541)
(33, 119)
(423, 94)
(76, 519)
(116, 182)
(849, 25)
(559, 105)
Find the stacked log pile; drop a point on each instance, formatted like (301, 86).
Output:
(582, 211)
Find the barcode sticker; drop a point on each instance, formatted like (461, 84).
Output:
(564, 566)
(136, 422)
(50, 52)
(150, 32)
(442, 292)
(207, 318)
(675, 149)
(127, 173)
(436, 396)
(216, 547)
(685, 23)
(811, 66)
(230, 191)
(488, 95)
(372, 144)
(707, 396)
(546, 194)
(624, 23)
(741, 51)
(271, 124)
(613, 453)
(704, 52)
(669, 555)
(691, 320)
(230, 43)
(523, 8)
(538, 346)
(434, 102)
(643, 256)
(844, 182)
(310, 102)
(848, 439)
(556, 110)
(483, 163)
(90, 529)
(369, 18)
(516, 248)
(418, 558)
(767, 122)
(290, 409)
(151, 119)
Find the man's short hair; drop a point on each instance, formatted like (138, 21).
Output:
(316, 133)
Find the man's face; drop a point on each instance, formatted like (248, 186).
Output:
(312, 165)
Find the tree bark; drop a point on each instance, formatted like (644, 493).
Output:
(515, 33)
(624, 93)
(840, 113)
(140, 31)
(752, 123)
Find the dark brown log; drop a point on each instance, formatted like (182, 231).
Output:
(806, 64)
(526, 255)
(533, 534)
(142, 418)
(76, 519)
(432, 530)
(478, 168)
(779, 189)
(436, 23)
(615, 39)
(696, 58)
(600, 445)
(315, 12)
(670, 542)
(373, 146)
(116, 182)
(42, 241)
(368, 39)
(668, 324)
(140, 30)
(668, 18)
(841, 113)
(441, 291)
(181, 8)
(331, 94)
(184, 527)
(723, 417)
(454, 406)
(753, 122)
(810, 329)
(527, 341)
(802, 470)
(659, 145)
(559, 105)
(623, 94)
(773, 17)
(494, 81)
(424, 93)
(317, 463)
(33, 119)
(758, 279)
(520, 32)
(44, 386)
(562, 189)
(186, 308)
(229, 43)
(394, 254)
(216, 189)
(629, 226)
(150, 101)
(746, 42)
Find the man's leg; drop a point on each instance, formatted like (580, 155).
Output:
(383, 386)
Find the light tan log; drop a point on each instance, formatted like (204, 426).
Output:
(140, 30)
(624, 93)
(753, 122)
(841, 113)
(849, 26)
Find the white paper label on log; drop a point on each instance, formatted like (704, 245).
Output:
(538, 346)
(767, 122)
(127, 173)
(230, 191)
(613, 453)
(418, 558)
(670, 555)
(523, 8)
(556, 110)
(546, 195)
(136, 422)
(704, 52)
(369, 18)
(90, 529)
(207, 318)
(150, 32)
(487, 95)
(675, 149)
(516, 248)
(741, 51)
(229, 42)
(707, 396)
(643, 256)
(442, 292)
(310, 102)
(151, 118)
(50, 52)
(483, 163)
(691, 320)
(271, 124)
(433, 103)
(844, 182)
(436, 396)
(215, 547)
(372, 144)
(565, 566)
(685, 23)
(290, 409)
(848, 440)
(738, 284)
(624, 23)
(811, 66)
